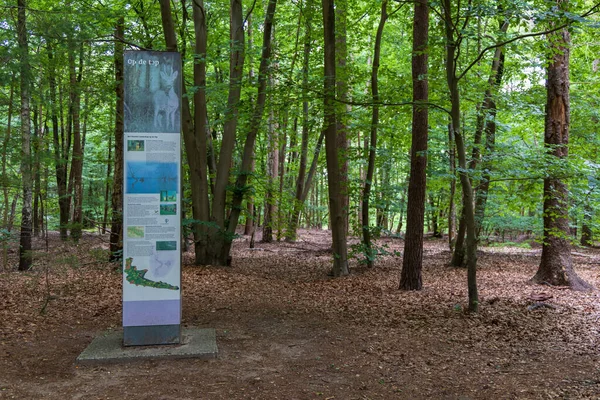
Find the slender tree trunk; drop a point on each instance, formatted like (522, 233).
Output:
(281, 169)
(5, 180)
(458, 258)
(25, 256)
(197, 146)
(467, 191)
(336, 197)
(249, 223)
(488, 124)
(116, 229)
(13, 212)
(77, 162)
(5, 143)
(451, 205)
(343, 109)
(109, 162)
(586, 231)
(300, 183)
(272, 172)
(61, 151)
(35, 167)
(219, 240)
(248, 154)
(412, 261)
(556, 265)
(366, 229)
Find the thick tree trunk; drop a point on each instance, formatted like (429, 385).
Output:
(116, 229)
(336, 197)
(412, 261)
(25, 256)
(369, 252)
(556, 265)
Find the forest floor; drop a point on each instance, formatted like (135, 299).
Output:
(286, 330)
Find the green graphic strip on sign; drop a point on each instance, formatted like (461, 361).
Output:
(136, 277)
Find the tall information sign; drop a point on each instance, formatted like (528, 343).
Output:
(152, 198)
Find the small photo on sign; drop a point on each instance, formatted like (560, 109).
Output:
(166, 245)
(135, 145)
(135, 232)
(168, 209)
(168, 195)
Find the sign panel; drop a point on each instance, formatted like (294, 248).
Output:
(152, 198)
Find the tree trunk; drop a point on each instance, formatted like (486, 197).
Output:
(488, 114)
(61, 152)
(272, 172)
(35, 166)
(5, 143)
(248, 154)
(116, 229)
(336, 197)
(586, 230)
(483, 123)
(107, 187)
(467, 191)
(77, 163)
(300, 184)
(197, 145)
(556, 265)
(5, 179)
(458, 256)
(217, 249)
(25, 256)
(343, 109)
(369, 252)
(451, 205)
(412, 261)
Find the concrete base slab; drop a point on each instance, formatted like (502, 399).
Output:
(108, 348)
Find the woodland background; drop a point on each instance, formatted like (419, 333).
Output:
(492, 107)
(331, 152)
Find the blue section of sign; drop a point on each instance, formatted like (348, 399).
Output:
(143, 177)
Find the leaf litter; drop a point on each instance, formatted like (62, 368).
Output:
(286, 330)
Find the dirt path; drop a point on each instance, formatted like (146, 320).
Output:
(287, 331)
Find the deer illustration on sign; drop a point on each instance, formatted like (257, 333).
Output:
(166, 102)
